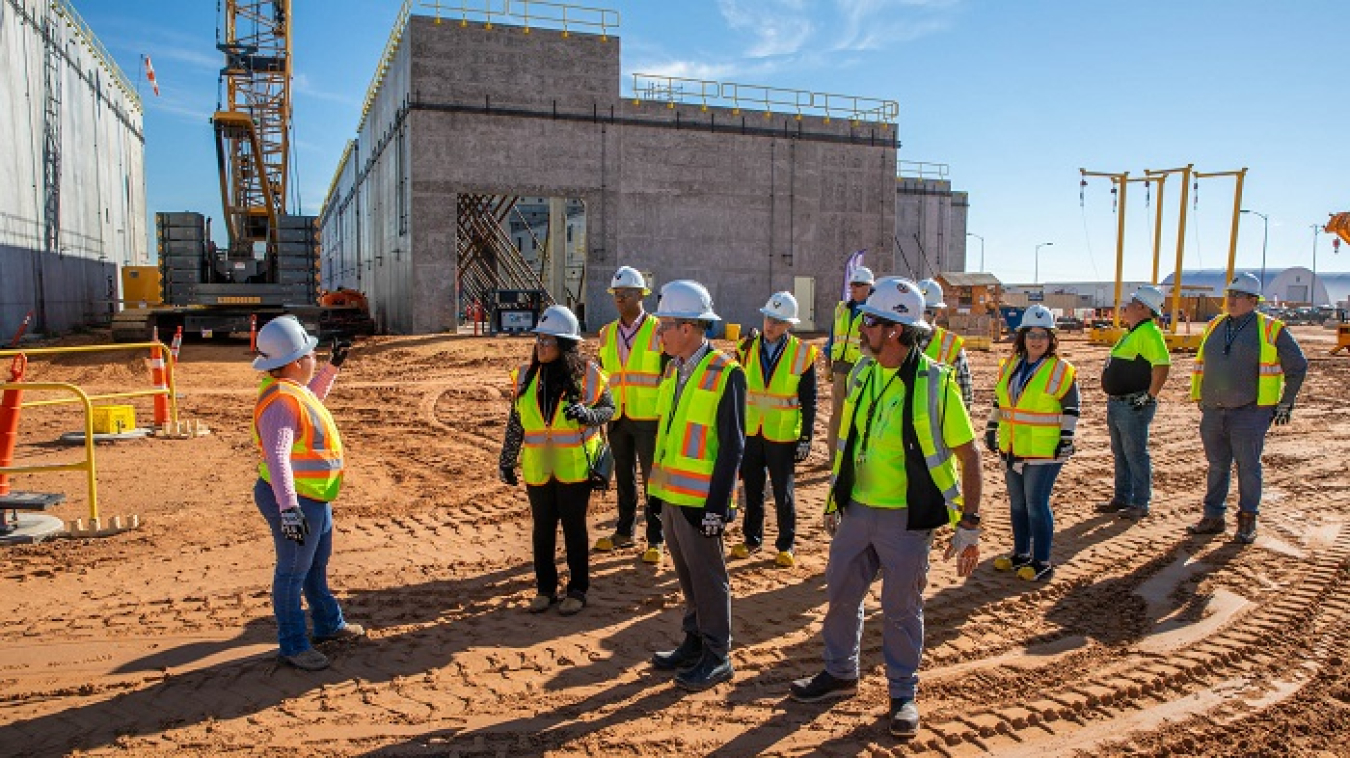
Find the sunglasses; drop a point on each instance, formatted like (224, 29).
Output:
(1032, 334)
(626, 294)
(668, 325)
(547, 341)
(871, 321)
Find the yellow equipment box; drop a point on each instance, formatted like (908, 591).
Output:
(114, 419)
(140, 287)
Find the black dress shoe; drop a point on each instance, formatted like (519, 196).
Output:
(711, 670)
(687, 655)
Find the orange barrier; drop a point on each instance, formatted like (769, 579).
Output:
(157, 378)
(177, 344)
(253, 333)
(10, 403)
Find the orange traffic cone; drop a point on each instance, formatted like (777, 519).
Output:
(10, 404)
(160, 382)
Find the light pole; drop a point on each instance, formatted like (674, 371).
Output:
(1265, 236)
(1312, 296)
(981, 239)
(1036, 278)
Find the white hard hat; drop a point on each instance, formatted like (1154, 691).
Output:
(685, 298)
(1151, 297)
(782, 306)
(559, 321)
(1247, 284)
(897, 299)
(862, 275)
(1037, 315)
(932, 294)
(628, 277)
(281, 341)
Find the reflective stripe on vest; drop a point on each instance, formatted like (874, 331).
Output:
(929, 383)
(562, 449)
(1029, 427)
(944, 346)
(774, 411)
(845, 347)
(316, 451)
(686, 438)
(633, 384)
(1270, 374)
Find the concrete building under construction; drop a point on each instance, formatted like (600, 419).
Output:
(748, 189)
(72, 203)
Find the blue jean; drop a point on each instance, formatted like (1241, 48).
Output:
(1234, 434)
(1033, 523)
(1128, 424)
(301, 570)
(872, 541)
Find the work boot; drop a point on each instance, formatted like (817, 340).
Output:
(744, 550)
(653, 554)
(904, 717)
(822, 686)
(612, 542)
(347, 632)
(711, 670)
(785, 559)
(308, 659)
(541, 603)
(1133, 513)
(1246, 528)
(1110, 506)
(686, 656)
(571, 605)
(1036, 572)
(1207, 525)
(1011, 562)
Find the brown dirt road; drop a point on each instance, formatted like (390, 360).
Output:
(160, 641)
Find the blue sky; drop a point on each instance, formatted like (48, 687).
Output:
(1013, 96)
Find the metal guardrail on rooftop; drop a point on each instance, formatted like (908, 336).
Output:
(528, 13)
(921, 170)
(90, 40)
(706, 92)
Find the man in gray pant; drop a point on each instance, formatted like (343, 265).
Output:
(699, 442)
(1247, 373)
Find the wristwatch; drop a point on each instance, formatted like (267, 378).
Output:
(973, 518)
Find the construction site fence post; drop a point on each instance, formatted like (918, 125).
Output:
(87, 465)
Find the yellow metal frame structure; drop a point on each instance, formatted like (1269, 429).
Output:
(1123, 180)
(86, 465)
(1241, 176)
(66, 10)
(170, 390)
(673, 90)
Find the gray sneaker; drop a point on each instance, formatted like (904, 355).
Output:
(308, 659)
(904, 717)
(346, 633)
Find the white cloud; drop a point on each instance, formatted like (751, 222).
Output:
(776, 27)
(874, 24)
(301, 85)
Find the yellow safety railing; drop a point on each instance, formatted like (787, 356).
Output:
(529, 13)
(170, 390)
(66, 10)
(86, 465)
(704, 92)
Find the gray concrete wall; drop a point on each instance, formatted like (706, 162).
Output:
(103, 222)
(930, 210)
(738, 200)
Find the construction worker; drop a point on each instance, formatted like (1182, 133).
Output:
(1032, 428)
(299, 477)
(943, 346)
(561, 400)
(699, 443)
(1134, 374)
(841, 349)
(779, 415)
(1247, 373)
(630, 353)
(904, 436)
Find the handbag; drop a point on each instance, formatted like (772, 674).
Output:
(601, 465)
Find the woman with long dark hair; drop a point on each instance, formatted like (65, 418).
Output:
(561, 399)
(1032, 428)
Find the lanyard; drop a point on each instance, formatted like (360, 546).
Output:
(628, 336)
(872, 409)
(1230, 334)
(1021, 376)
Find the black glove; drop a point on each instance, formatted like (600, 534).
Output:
(803, 450)
(749, 339)
(713, 524)
(1141, 400)
(508, 475)
(1282, 414)
(294, 526)
(578, 412)
(1065, 448)
(991, 436)
(339, 353)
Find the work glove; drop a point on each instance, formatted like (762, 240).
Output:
(338, 355)
(966, 545)
(803, 450)
(579, 413)
(1065, 449)
(713, 524)
(1141, 400)
(832, 521)
(991, 436)
(1282, 414)
(748, 340)
(294, 527)
(508, 475)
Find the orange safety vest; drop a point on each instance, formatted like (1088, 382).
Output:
(945, 346)
(316, 453)
(561, 448)
(1029, 427)
(1270, 381)
(686, 439)
(773, 410)
(633, 383)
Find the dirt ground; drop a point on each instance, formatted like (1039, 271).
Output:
(160, 641)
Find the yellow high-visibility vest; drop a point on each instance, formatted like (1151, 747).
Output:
(316, 452)
(633, 383)
(945, 346)
(558, 448)
(686, 438)
(1029, 427)
(774, 411)
(845, 347)
(1270, 379)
